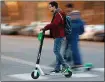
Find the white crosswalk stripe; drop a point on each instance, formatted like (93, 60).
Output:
(21, 61)
(27, 76)
(99, 69)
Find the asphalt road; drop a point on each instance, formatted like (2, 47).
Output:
(18, 57)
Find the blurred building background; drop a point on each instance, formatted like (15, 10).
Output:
(25, 12)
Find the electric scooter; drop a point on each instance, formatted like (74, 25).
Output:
(38, 71)
(85, 67)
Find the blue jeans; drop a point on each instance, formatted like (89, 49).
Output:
(59, 58)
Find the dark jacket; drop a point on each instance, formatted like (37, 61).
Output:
(57, 25)
(77, 28)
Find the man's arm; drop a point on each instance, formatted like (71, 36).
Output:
(55, 22)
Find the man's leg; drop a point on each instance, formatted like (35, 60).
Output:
(66, 50)
(59, 58)
(76, 54)
(63, 49)
(57, 44)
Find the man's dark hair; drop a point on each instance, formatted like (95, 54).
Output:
(69, 5)
(54, 3)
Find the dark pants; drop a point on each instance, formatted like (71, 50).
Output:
(76, 53)
(72, 52)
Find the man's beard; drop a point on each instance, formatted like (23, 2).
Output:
(52, 10)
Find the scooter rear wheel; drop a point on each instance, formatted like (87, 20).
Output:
(69, 74)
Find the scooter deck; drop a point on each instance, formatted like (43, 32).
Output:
(54, 74)
(57, 74)
(84, 69)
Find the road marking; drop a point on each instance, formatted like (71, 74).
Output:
(23, 61)
(27, 76)
(99, 69)
(79, 75)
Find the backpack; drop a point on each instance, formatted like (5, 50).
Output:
(67, 25)
(68, 28)
(82, 30)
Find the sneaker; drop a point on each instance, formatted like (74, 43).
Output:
(55, 71)
(78, 69)
(76, 66)
(65, 70)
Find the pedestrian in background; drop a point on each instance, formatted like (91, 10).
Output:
(77, 25)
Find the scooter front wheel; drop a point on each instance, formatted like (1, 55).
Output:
(35, 74)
